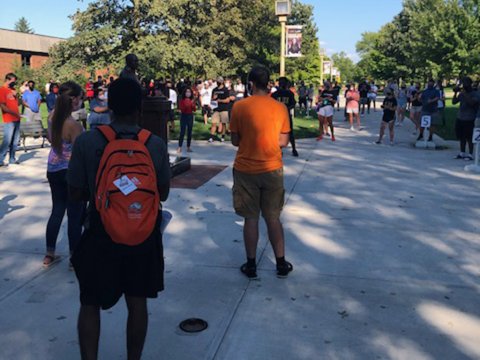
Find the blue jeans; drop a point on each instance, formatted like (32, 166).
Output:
(60, 204)
(11, 135)
(186, 124)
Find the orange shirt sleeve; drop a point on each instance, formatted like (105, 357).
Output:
(285, 121)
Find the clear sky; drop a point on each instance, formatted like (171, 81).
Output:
(340, 22)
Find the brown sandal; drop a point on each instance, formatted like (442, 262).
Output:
(49, 260)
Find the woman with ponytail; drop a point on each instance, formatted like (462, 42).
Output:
(63, 130)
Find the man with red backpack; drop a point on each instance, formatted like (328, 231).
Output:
(124, 173)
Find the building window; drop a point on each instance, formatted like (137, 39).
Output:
(26, 59)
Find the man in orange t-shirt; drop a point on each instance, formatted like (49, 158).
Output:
(260, 127)
(11, 119)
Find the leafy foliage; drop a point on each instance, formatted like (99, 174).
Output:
(429, 38)
(177, 38)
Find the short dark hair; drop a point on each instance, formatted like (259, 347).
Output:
(259, 76)
(31, 81)
(125, 97)
(10, 76)
(283, 82)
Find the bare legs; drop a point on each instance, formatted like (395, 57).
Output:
(89, 328)
(275, 235)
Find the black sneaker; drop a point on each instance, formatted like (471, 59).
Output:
(459, 156)
(284, 270)
(295, 153)
(249, 271)
(420, 137)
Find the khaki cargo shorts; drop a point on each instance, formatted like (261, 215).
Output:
(220, 117)
(258, 193)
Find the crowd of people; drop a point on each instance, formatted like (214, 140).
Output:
(112, 179)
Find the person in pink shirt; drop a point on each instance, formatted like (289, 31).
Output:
(353, 98)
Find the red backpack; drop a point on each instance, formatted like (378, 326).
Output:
(126, 196)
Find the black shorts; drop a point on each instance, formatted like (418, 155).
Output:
(207, 110)
(388, 120)
(302, 100)
(171, 116)
(106, 270)
(464, 129)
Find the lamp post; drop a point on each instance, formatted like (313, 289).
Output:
(282, 10)
(322, 58)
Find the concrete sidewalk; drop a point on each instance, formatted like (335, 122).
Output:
(384, 242)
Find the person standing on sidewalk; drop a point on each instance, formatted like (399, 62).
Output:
(63, 130)
(389, 108)
(429, 98)
(469, 100)
(285, 96)
(260, 128)
(32, 99)
(107, 270)
(352, 107)
(326, 108)
(11, 120)
(187, 110)
(221, 95)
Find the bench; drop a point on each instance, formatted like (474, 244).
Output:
(33, 129)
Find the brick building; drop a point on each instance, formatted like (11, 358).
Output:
(20, 48)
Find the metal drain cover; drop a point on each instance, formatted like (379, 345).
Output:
(193, 325)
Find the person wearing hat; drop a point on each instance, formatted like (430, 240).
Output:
(221, 98)
(99, 112)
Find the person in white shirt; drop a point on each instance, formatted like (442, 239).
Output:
(239, 89)
(172, 96)
(372, 96)
(205, 100)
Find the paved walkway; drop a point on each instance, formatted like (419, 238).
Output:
(384, 241)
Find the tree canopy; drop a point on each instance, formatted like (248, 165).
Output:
(23, 26)
(183, 38)
(428, 38)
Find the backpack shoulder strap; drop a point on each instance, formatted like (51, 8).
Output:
(108, 132)
(144, 136)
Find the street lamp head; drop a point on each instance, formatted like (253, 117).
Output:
(283, 7)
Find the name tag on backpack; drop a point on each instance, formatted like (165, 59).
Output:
(125, 185)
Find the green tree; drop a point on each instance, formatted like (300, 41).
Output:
(183, 38)
(22, 25)
(345, 65)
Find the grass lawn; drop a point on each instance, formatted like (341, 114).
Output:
(304, 128)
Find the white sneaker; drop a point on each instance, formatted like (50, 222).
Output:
(352, 128)
(222, 139)
(210, 140)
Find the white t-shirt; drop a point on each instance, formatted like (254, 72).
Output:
(206, 96)
(239, 90)
(172, 96)
(372, 94)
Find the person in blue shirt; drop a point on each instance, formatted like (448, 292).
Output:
(429, 98)
(99, 112)
(52, 97)
(32, 99)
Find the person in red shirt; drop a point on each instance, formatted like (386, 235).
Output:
(187, 109)
(89, 90)
(11, 119)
